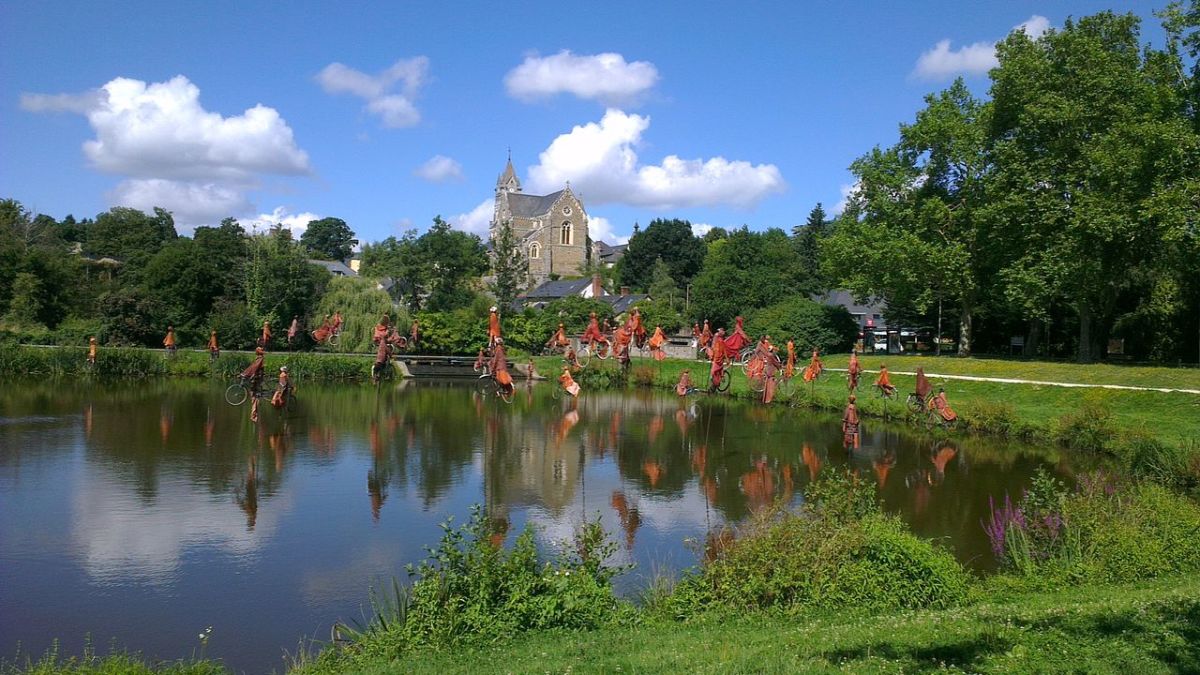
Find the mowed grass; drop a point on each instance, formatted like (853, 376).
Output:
(1145, 628)
(1043, 371)
(1169, 417)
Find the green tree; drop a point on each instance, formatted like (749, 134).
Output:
(673, 242)
(399, 261)
(807, 238)
(185, 281)
(746, 271)
(329, 239)
(663, 287)
(1090, 139)
(362, 304)
(129, 235)
(449, 262)
(912, 233)
(279, 281)
(26, 304)
(808, 323)
(510, 269)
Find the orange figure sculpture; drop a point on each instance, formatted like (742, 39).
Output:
(850, 435)
(656, 343)
(569, 384)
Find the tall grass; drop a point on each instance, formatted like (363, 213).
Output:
(135, 363)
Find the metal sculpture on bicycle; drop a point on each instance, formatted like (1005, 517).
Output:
(850, 431)
(853, 371)
(719, 354)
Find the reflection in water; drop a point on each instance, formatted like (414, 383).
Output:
(161, 490)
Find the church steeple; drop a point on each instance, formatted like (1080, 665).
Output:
(508, 180)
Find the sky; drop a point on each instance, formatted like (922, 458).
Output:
(389, 114)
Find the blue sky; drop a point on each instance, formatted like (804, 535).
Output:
(386, 114)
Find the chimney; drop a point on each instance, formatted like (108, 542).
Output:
(597, 287)
(624, 291)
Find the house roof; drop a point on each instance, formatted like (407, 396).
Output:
(608, 253)
(841, 297)
(528, 206)
(335, 267)
(622, 303)
(558, 289)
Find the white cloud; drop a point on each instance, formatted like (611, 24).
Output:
(190, 203)
(175, 154)
(76, 103)
(600, 162)
(1035, 26)
(477, 220)
(280, 215)
(440, 169)
(701, 229)
(601, 229)
(942, 62)
(606, 77)
(395, 110)
(848, 192)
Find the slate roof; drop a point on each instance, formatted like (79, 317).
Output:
(840, 297)
(558, 289)
(622, 303)
(528, 206)
(335, 267)
(610, 254)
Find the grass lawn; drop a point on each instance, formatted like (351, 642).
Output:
(1146, 628)
(1044, 371)
(1170, 417)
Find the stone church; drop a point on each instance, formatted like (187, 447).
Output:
(552, 230)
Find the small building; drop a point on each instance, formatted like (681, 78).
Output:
(550, 291)
(869, 314)
(335, 267)
(608, 255)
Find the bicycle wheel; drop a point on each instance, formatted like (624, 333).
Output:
(334, 339)
(236, 394)
(723, 385)
(914, 403)
(555, 392)
(584, 356)
(757, 384)
(786, 386)
(505, 393)
(602, 351)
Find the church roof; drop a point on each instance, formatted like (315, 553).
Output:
(509, 174)
(528, 206)
(561, 288)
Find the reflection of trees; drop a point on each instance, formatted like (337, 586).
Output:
(430, 438)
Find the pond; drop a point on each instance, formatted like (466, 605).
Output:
(142, 513)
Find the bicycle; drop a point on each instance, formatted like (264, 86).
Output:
(239, 392)
(721, 385)
(918, 404)
(883, 392)
(588, 349)
(934, 420)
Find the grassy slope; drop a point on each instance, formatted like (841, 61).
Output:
(1171, 418)
(1147, 628)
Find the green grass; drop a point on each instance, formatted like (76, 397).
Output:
(1144, 628)
(1035, 410)
(1044, 371)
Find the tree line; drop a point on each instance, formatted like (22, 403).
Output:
(1063, 209)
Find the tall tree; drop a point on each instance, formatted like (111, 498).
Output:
(911, 233)
(1089, 139)
(129, 235)
(280, 282)
(399, 261)
(746, 271)
(449, 261)
(510, 269)
(662, 285)
(807, 238)
(671, 240)
(329, 239)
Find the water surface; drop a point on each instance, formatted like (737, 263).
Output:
(145, 512)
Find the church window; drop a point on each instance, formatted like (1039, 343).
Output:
(568, 234)
(535, 251)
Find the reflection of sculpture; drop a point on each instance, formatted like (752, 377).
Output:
(653, 470)
(377, 489)
(629, 516)
(941, 457)
(654, 429)
(247, 496)
(758, 485)
(882, 466)
(811, 460)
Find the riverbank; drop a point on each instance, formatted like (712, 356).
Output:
(1140, 628)
(139, 362)
(1089, 419)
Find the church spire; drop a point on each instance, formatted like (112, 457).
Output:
(509, 179)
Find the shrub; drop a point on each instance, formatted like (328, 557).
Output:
(471, 590)
(807, 322)
(1089, 428)
(1146, 457)
(361, 304)
(836, 551)
(996, 417)
(1104, 532)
